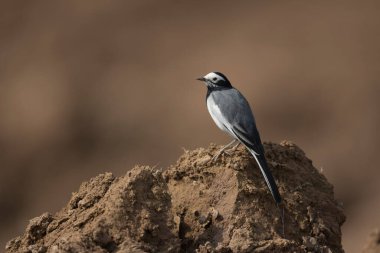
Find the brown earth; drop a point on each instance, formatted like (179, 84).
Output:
(196, 206)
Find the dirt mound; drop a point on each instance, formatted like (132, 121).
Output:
(196, 206)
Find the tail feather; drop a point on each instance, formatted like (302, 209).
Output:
(267, 175)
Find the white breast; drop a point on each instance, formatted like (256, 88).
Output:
(216, 114)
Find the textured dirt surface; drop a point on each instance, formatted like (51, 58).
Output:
(196, 206)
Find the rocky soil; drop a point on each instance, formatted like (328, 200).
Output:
(196, 205)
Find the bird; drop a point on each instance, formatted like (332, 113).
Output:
(232, 114)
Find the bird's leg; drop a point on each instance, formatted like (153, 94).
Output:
(233, 149)
(222, 149)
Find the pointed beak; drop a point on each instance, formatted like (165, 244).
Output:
(201, 79)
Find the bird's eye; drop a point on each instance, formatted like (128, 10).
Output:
(214, 79)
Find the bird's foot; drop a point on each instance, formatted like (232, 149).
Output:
(232, 150)
(228, 152)
(215, 157)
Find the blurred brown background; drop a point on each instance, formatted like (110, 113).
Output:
(94, 86)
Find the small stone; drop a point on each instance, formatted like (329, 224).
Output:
(309, 242)
(214, 213)
(37, 248)
(37, 227)
(205, 221)
(177, 221)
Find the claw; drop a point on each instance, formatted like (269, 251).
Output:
(223, 150)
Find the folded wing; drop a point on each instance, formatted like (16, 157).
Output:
(234, 114)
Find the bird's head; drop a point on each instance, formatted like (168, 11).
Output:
(215, 80)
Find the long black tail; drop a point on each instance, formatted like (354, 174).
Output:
(261, 161)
